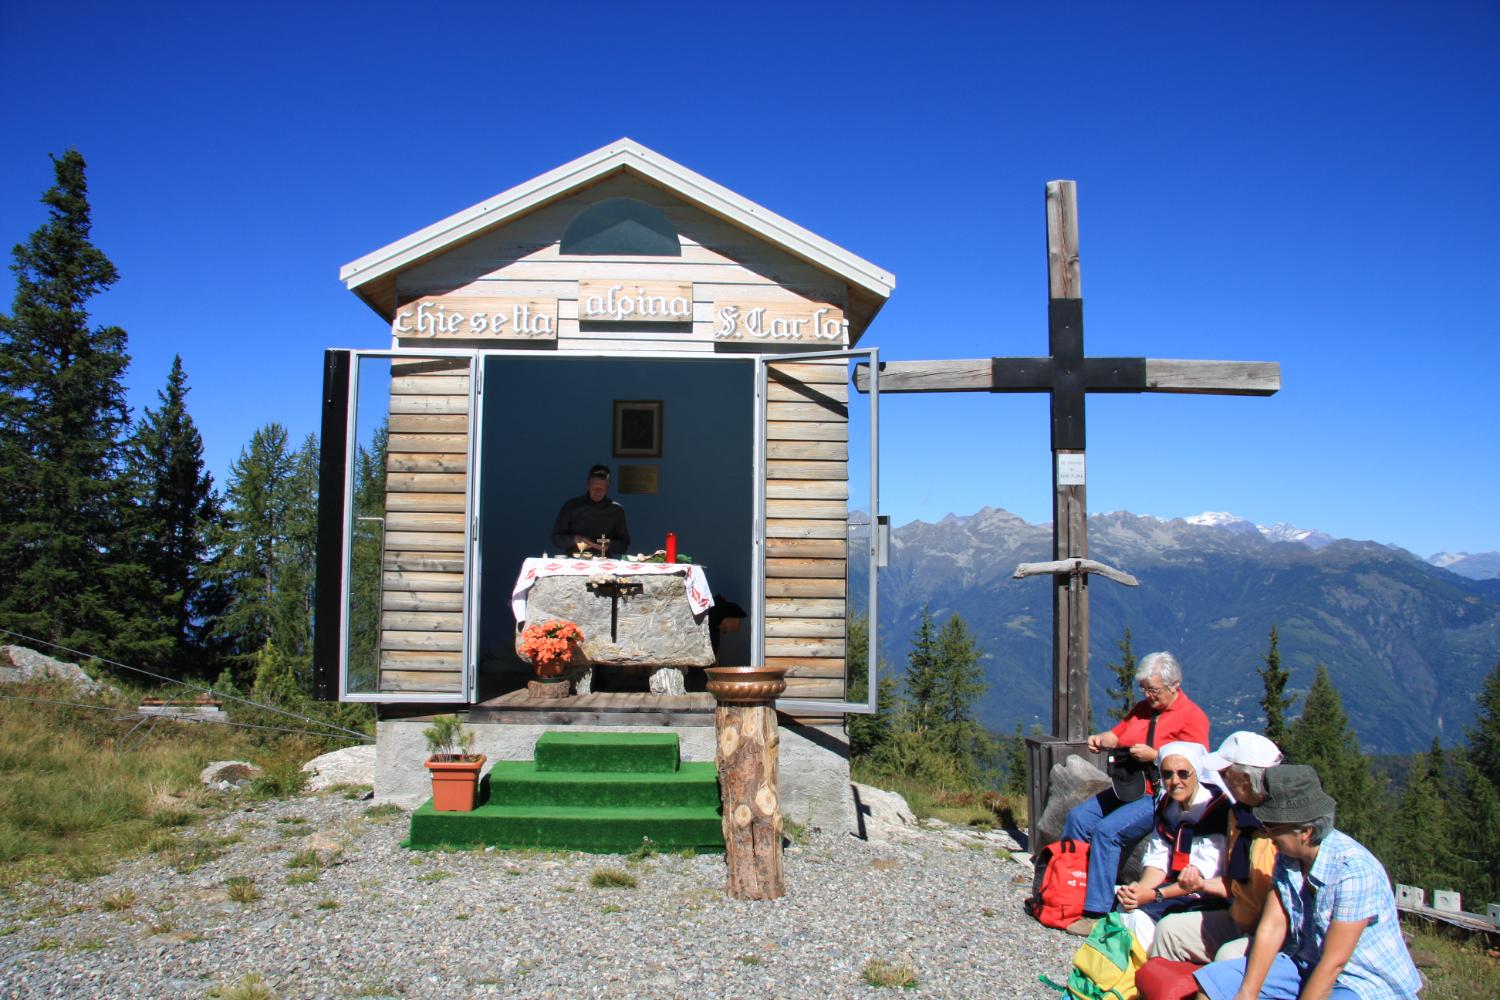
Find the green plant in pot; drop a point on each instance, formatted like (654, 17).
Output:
(454, 766)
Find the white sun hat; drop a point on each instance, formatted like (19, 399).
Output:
(1249, 749)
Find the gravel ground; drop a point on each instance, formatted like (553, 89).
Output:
(384, 921)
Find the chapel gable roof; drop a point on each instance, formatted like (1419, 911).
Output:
(373, 276)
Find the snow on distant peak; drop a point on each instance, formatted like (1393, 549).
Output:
(1221, 519)
(1283, 532)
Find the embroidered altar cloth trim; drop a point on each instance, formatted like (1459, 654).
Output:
(700, 598)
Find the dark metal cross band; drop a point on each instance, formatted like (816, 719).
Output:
(1068, 376)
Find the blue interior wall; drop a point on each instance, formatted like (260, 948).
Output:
(546, 420)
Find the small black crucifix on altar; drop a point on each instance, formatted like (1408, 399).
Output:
(1068, 375)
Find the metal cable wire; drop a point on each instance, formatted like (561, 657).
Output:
(187, 684)
(187, 718)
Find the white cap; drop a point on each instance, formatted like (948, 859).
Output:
(1250, 749)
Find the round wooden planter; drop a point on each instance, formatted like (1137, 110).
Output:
(745, 685)
(550, 687)
(455, 784)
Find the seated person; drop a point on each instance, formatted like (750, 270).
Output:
(1109, 823)
(1330, 928)
(1185, 856)
(583, 520)
(1202, 936)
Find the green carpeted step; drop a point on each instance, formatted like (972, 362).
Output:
(634, 753)
(571, 828)
(522, 782)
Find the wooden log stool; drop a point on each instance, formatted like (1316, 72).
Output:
(748, 742)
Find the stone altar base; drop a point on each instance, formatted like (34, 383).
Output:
(654, 627)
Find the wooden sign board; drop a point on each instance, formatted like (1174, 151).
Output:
(477, 318)
(635, 302)
(752, 321)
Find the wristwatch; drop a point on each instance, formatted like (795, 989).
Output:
(1159, 896)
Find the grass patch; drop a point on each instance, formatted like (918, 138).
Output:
(612, 878)
(1461, 971)
(648, 849)
(292, 820)
(611, 908)
(161, 927)
(795, 832)
(47, 944)
(251, 986)
(124, 899)
(76, 796)
(747, 959)
(879, 972)
(384, 813)
(303, 859)
(91, 944)
(241, 889)
(974, 805)
(437, 876)
(328, 904)
(303, 877)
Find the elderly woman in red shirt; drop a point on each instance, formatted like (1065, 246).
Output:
(1111, 820)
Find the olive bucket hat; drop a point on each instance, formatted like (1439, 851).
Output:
(1294, 795)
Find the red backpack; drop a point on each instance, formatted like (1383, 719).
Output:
(1064, 883)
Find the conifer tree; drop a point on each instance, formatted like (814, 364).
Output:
(1421, 839)
(1123, 693)
(1274, 702)
(923, 675)
(1322, 738)
(175, 510)
(252, 540)
(62, 420)
(1484, 736)
(960, 683)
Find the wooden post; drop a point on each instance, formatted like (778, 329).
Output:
(748, 741)
(1070, 600)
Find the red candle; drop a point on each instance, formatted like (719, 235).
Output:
(671, 547)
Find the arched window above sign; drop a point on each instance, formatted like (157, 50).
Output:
(621, 226)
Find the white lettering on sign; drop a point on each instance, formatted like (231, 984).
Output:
(736, 321)
(515, 319)
(647, 302)
(1070, 470)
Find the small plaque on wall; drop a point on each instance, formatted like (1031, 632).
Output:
(638, 478)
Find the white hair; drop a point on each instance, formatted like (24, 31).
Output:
(1162, 664)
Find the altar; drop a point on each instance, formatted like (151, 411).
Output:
(637, 616)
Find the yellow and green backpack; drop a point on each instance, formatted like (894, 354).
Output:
(1104, 966)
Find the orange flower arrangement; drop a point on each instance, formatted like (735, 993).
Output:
(550, 646)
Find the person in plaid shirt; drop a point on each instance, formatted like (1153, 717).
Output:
(1329, 932)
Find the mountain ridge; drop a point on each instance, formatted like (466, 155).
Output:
(1407, 642)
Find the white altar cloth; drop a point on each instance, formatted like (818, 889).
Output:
(694, 579)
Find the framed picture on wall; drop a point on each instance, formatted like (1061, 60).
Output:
(637, 428)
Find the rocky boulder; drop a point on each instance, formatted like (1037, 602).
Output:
(882, 815)
(19, 665)
(225, 775)
(350, 766)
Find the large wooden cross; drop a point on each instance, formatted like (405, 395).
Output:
(1068, 375)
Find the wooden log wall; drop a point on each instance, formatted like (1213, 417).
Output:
(421, 610)
(807, 514)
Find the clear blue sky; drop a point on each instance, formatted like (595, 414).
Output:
(1311, 184)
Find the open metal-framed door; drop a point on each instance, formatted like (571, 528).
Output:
(407, 536)
(817, 560)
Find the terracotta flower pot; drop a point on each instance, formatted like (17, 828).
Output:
(455, 783)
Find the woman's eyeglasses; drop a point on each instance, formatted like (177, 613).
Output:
(1152, 692)
(1179, 775)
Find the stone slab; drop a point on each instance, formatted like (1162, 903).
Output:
(652, 628)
